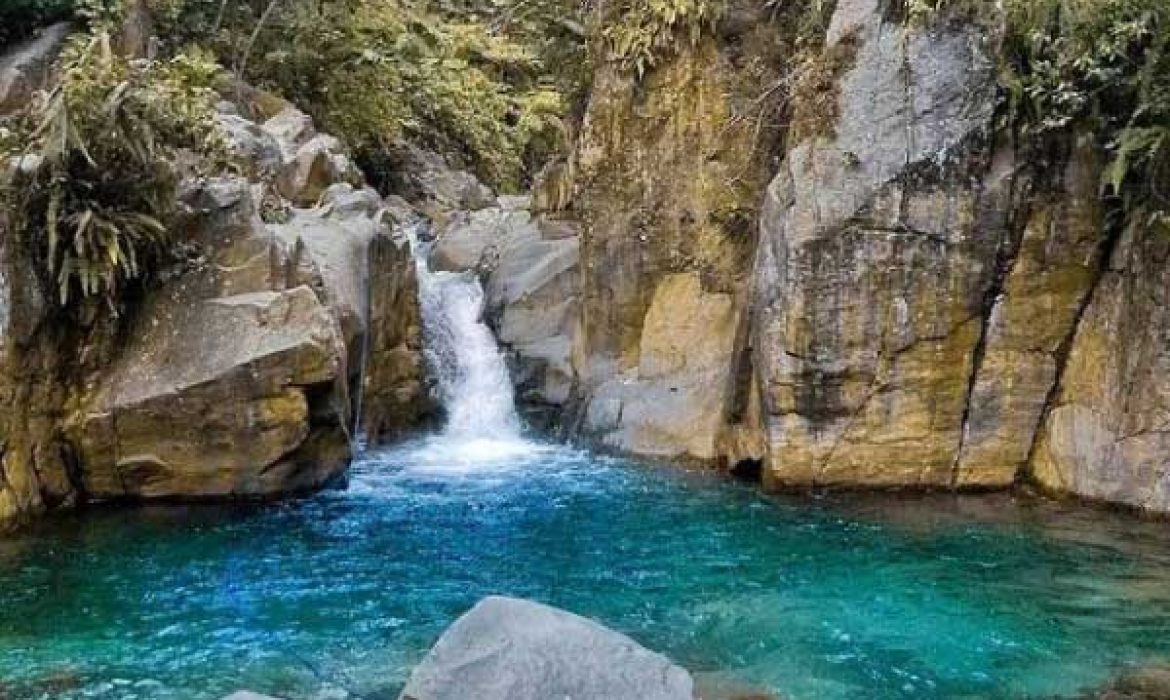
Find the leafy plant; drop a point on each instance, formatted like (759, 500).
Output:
(91, 208)
(1102, 65)
(639, 32)
(468, 82)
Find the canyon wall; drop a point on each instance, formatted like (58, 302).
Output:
(927, 304)
(668, 177)
(827, 259)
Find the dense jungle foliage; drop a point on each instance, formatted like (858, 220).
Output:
(491, 84)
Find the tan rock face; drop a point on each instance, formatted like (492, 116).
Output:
(1107, 433)
(1050, 275)
(238, 374)
(666, 182)
(879, 250)
(394, 393)
(674, 403)
(186, 414)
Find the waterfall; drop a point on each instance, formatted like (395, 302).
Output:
(473, 382)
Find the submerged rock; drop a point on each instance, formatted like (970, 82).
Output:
(248, 695)
(510, 649)
(1147, 683)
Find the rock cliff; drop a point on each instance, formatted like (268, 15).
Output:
(925, 302)
(239, 374)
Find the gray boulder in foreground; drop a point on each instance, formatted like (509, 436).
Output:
(510, 649)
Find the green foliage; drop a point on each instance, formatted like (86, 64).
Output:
(639, 32)
(478, 91)
(1103, 66)
(92, 210)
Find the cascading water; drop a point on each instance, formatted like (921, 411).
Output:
(472, 377)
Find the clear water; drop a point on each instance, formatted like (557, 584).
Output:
(866, 597)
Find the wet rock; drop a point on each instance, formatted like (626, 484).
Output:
(29, 67)
(1147, 683)
(216, 398)
(394, 396)
(509, 649)
(532, 297)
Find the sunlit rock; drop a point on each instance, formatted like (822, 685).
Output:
(673, 404)
(510, 649)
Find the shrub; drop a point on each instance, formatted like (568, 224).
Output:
(1103, 66)
(93, 214)
(377, 72)
(639, 32)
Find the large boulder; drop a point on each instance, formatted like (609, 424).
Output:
(882, 253)
(241, 375)
(310, 162)
(509, 649)
(29, 67)
(232, 381)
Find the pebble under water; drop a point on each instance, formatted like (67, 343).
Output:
(849, 597)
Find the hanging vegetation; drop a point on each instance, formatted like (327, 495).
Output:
(91, 204)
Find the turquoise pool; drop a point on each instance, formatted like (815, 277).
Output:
(846, 597)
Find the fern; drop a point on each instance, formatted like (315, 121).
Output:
(93, 215)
